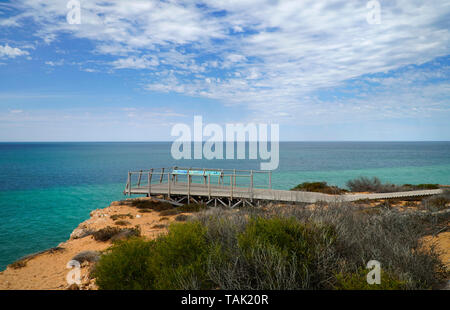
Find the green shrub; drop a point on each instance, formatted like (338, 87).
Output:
(126, 233)
(172, 261)
(18, 264)
(178, 258)
(120, 216)
(125, 266)
(115, 233)
(281, 248)
(320, 187)
(87, 256)
(151, 204)
(159, 226)
(181, 218)
(286, 234)
(420, 186)
(358, 281)
(365, 184)
(291, 239)
(169, 212)
(122, 223)
(436, 202)
(106, 233)
(192, 207)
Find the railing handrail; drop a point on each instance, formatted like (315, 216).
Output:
(222, 176)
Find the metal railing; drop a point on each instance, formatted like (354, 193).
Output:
(231, 179)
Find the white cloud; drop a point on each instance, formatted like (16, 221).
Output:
(55, 63)
(7, 51)
(135, 63)
(260, 52)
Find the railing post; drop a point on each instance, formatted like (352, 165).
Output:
(168, 182)
(162, 174)
(270, 179)
(189, 186)
(234, 176)
(149, 176)
(209, 186)
(231, 187)
(139, 179)
(129, 183)
(251, 184)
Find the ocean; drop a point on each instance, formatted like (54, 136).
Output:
(47, 189)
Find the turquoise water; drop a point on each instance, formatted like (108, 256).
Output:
(47, 189)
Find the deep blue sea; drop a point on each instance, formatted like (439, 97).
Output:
(47, 189)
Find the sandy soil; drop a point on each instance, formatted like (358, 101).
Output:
(48, 271)
(442, 246)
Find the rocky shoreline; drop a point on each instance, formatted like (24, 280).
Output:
(47, 270)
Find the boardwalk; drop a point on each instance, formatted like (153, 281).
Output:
(232, 187)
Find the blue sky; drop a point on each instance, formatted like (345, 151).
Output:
(132, 69)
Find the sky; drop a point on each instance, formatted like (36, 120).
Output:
(131, 70)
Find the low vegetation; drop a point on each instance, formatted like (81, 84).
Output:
(87, 256)
(115, 217)
(114, 233)
(148, 204)
(278, 248)
(437, 202)
(181, 218)
(374, 185)
(122, 223)
(320, 187)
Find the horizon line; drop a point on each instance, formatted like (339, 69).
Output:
(168, 141)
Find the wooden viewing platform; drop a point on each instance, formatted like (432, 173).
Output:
(232, 187)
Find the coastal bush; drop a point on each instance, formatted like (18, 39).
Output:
(181, 218)
(365, 184)
(87, 256)
(159, 226)
(192, 207)
(437, 202)
(178, 259)
(169, 212)
(416, 187)
(390, 236)
(290, 248)
(106, 233)
(121, 216)
(126, 233)
(172, 261)
(151, 204)
(320, 187)
(18, 264)
(122, 223)
(272, 253)
(125, 266)
(115, 233)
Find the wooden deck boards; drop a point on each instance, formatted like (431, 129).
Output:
(225, 191)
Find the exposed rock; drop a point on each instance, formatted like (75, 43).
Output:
(124, 234)
(80, 233)
(73, 287)
(87, 257)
